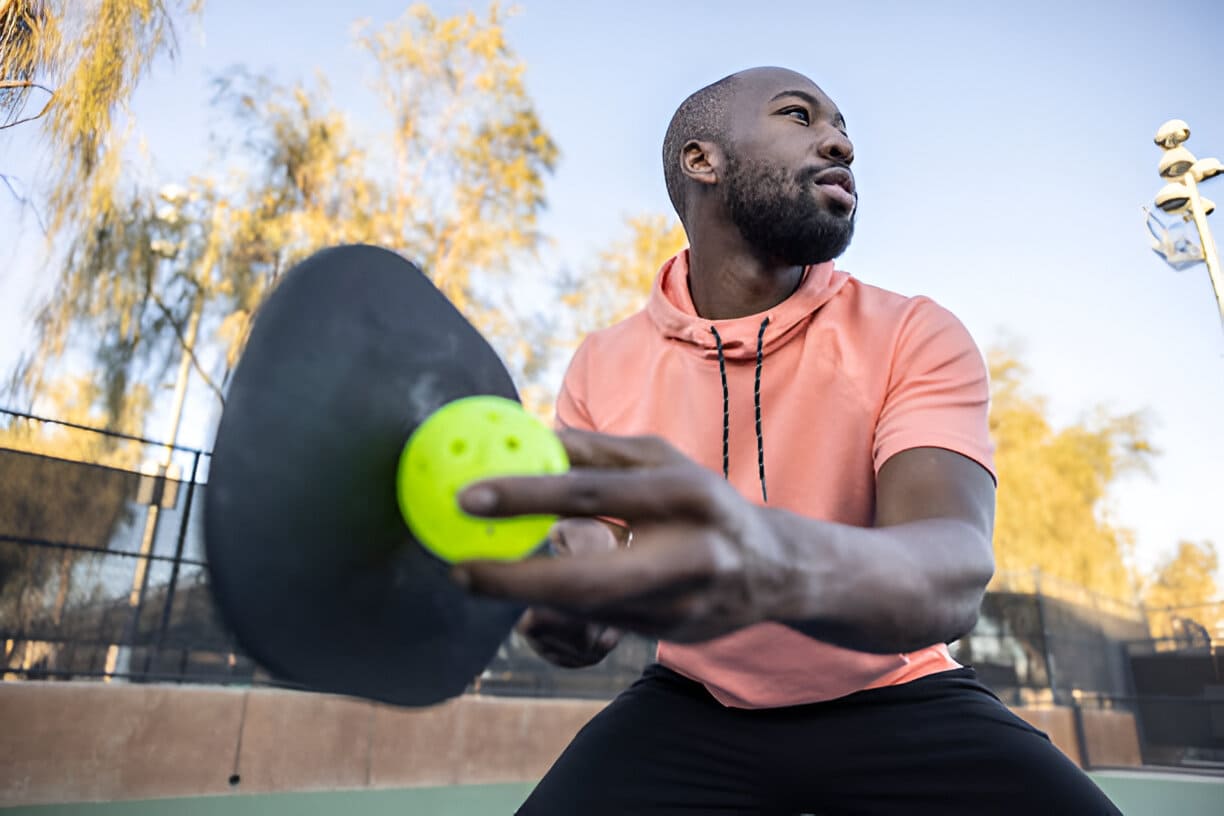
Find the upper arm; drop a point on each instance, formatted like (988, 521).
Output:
(933, 451)
(934, 455)
(572, 409)
(925, 483)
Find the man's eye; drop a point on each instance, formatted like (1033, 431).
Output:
(799, 114)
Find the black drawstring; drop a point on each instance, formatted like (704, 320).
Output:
(756, 398)
(722, 371)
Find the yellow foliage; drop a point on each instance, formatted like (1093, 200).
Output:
(455, 184)
(620, 281)
(1052, 507)
(1184, 589)
(86, 59)
(77, 400)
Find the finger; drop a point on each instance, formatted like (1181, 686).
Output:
(581, 535)
(550, 628)
(542, 621)
(569, 659)
(583, 584)
(672, 492)
(564, 639)
(588, 449)
(608, 639)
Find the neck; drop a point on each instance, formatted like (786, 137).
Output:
(727, 280)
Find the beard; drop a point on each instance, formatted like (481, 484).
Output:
(781, 216)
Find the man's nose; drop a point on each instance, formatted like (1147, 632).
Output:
(835, 146)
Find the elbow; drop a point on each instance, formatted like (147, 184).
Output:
(963, 622)
(946, 621)
(966, 608)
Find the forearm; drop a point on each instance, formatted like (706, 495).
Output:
(886, 589)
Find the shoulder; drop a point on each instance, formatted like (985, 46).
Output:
(887, 308)
(619, 342)
(901, 323)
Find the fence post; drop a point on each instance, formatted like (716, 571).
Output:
(1046, 653)
(155, 651)
(1081, 738)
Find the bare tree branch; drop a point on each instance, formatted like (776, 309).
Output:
(19, 83)
(25, 119)
(195, 362)
(25, 202)
(5, 84)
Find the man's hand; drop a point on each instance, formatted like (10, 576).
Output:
(703, 561)
(563, 639)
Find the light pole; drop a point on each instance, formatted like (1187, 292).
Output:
(1180, 196)
(160, 495)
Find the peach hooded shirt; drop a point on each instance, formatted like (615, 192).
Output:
(849, 375)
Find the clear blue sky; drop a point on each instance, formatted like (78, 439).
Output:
(1003, 154)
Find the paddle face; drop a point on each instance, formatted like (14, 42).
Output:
(311, 563)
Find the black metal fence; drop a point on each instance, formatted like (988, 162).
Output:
(102, 575)
(1158, 699)
(1041, 641)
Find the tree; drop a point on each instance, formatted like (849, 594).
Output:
(1184, 591)
(78, 399)
(620, 280)
(74, 64)
(1052, 507)
(456, 183)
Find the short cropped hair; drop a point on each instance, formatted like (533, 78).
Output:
(702, 116)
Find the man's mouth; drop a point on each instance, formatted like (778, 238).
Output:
(838, 184)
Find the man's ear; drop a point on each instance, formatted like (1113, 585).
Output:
(701, 161)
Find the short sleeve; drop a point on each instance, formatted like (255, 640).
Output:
(572, 409)
(938, 392)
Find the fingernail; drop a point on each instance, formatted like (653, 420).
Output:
(478, 500)
(462, 577)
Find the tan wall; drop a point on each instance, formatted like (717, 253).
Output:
(1111, 739)
(74, 742)
(1058, 723)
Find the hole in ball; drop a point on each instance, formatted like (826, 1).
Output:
(512, 443)
(492, 417)
(489, 530)
(459, 447)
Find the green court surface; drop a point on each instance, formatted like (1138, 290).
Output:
(1150, 793)
(1137, 793)
(458, 800)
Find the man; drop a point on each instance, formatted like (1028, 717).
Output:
(804, 465)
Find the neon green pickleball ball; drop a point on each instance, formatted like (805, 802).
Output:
(463, 442)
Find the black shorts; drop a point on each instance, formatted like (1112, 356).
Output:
(943, 744)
